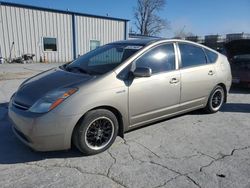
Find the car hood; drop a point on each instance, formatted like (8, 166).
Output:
(237, 47)
(36, 87)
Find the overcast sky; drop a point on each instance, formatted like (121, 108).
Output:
(201, 17)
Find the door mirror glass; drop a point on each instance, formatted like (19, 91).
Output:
(142, 72)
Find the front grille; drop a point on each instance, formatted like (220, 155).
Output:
(20, 106)
(21, 135)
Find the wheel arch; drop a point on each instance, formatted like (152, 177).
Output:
(106, 107)
(117, 114)
(225, 91)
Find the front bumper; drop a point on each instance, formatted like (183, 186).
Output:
(43, 132)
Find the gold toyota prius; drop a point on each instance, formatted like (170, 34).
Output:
(116, 88)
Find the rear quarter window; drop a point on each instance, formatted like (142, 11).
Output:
(211, 56)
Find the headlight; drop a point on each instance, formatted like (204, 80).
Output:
(52, 100)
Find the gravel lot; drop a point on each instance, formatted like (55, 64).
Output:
(192, 150)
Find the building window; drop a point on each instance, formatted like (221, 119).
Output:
(94, 44)
(49, 44)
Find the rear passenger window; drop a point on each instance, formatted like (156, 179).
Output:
(211, 56)
(191, 55)
(159, 59)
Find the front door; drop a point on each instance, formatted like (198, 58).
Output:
(157, 96)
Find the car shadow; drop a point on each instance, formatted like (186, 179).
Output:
(12, 151)
(228, 107)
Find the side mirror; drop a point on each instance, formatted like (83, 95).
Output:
(142, 72)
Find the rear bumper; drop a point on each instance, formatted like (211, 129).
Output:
(46, 132)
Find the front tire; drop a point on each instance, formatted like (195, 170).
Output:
(96, 132)
(216, 100)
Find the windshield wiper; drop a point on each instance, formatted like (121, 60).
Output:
(81, 70)
(78, 69)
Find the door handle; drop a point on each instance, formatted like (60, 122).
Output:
(211, 72)
(173, 81)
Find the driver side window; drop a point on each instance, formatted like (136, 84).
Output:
(159, 59)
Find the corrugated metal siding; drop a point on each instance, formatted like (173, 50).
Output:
(27, 27)
(105, 31)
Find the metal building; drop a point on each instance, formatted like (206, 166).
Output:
(237, 36)
(54, 35)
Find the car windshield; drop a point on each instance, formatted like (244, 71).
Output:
(103, 59)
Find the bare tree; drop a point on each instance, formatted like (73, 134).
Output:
(148, 22)
(181, 33)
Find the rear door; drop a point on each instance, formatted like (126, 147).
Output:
(198, 77)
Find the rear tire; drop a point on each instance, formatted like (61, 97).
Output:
(96, 132)
(216, 100)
